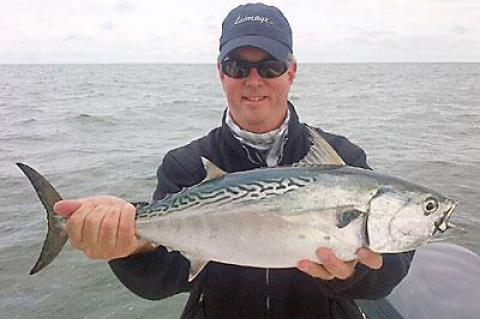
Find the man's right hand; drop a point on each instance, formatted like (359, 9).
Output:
(103, 227)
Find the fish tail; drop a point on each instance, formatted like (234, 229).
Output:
(57, 234)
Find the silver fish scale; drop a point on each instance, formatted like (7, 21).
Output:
(200, 198)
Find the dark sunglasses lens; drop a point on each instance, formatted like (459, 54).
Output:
(266, 69)
(271, 69)
(235, 69)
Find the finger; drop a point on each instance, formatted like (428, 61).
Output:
(369, 258)
(66, 207)
(315, 270)
(108, 231)
(103, 200)
(91, 230)
(333, 265)
(126, 240)
(75, 224)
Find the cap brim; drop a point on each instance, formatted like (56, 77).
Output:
(276, 49)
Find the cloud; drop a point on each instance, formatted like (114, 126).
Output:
(108, 26)
(70, 37)
(460, 30)
(343, 30)
(77, 38)
(124, 6)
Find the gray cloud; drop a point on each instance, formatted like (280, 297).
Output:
(70, 37)
(76, 38)
(124, 6)
(460, 30)
(108, 26)
(380, 34)
(212, 27)
(343, 30)
(405, 48)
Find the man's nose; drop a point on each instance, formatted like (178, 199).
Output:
(254, 78)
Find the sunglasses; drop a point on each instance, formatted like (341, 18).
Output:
(241, 69)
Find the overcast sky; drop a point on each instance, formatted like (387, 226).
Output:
(109, 31)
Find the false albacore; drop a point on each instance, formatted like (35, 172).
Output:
(274, 217)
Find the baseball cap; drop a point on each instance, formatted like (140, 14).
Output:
(256, 25)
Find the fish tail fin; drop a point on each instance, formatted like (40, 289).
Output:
(57, 234)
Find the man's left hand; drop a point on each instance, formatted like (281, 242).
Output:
(331, 267)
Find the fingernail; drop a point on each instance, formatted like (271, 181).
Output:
(66, 207)
(70, 201)
(323, 254)
(303, 267)
(67, 202)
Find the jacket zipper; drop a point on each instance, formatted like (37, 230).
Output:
(267, 299)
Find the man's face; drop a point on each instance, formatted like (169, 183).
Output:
(257, 104)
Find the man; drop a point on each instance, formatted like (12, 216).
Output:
(259, 128)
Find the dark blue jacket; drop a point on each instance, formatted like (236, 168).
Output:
(230, 291)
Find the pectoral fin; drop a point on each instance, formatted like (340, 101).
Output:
(345, 217)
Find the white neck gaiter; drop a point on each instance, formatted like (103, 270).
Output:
(268, 145)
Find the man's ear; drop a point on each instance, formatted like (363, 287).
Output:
(220, 73)
(292, 72)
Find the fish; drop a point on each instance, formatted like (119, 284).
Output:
(275, 217)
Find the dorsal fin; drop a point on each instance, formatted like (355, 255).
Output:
(213, 171)
(196, 267)
(320, 153)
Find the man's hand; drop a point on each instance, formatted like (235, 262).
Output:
(103, 227)
(331, 267)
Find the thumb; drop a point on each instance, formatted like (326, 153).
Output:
(67, 207)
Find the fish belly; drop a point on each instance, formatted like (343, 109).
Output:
(254, 238)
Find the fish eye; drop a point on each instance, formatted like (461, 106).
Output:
(430, 206)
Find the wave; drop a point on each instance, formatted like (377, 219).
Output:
(85, 118)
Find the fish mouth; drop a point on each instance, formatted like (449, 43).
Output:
(443, 224)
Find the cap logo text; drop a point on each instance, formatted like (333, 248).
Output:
(260, 19)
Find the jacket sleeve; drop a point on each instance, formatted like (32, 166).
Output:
(366, 283)
(158, 274)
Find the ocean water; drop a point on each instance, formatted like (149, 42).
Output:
(103, 129)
